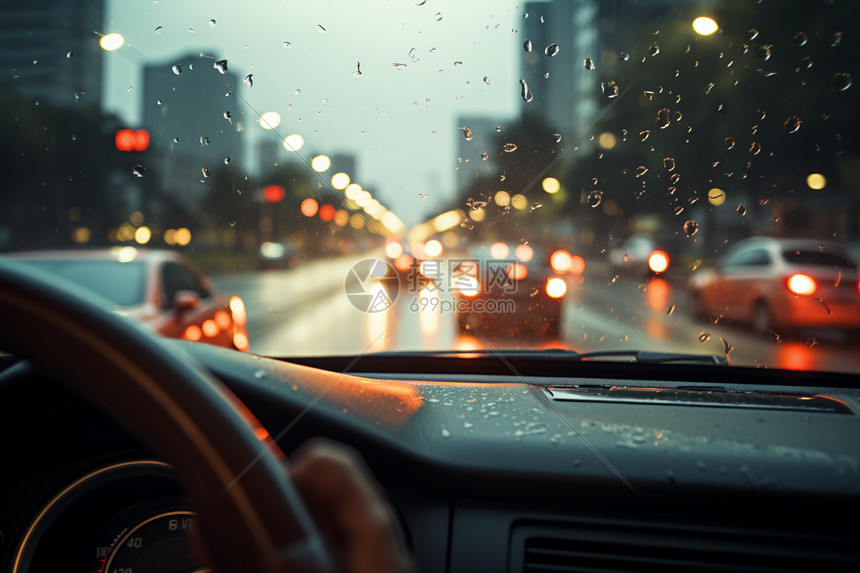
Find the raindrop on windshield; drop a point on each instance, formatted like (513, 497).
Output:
(640, 171)
(204, 140)
(467, 133)
(610, 89)
(663, 119)
(678, 210)
(727, 348)
(806, 63)
(704, 336)
(175, 140)
(760, 114)
(509, 147)
(649, 94)
(486, 80)
(205, 172)
(286, 44)
(159, 102)
(458, 63)
(320, 29)
(138, 170)
(438, 16)
(755, 148)
(557, 137)
(624, 56)
(675, 178)
(691, 227)
(484, 156)
(752, 34)
(221, 66)
(249, 80)
(526, 92)
(399, 66)
(643, 135)
(594, 198)
(842, 81)
(799, 39)
(228, 116)
(445, 432)
(793, 123)
(654, 49)
(669, 163)
(356, 71)
(177, 69)
(157, 30)
(69, 55)
(212, 23)
(763, 52)
(730, 143)
(742, 209)
(670, 309)
(535, 205)
(413, 55)
(227, 161)
(589, 64)
(527, 45)
(551, 50)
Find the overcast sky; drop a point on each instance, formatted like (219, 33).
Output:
(398, 154)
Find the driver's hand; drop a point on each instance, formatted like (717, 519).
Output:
(349, 507)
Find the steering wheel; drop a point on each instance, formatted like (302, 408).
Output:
(250, 516)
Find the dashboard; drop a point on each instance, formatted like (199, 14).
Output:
(609, 469)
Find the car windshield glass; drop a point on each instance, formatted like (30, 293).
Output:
(818, 259)
(328, 167)
(120, 283)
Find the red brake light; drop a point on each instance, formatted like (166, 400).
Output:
(801, 284)
(561, 261)
(556, 287)
(517, 271)
(658, 261)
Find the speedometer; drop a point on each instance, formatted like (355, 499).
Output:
(156, 544)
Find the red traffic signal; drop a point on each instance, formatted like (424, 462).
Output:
(132, 140)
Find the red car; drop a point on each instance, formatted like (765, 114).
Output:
(161, 290)
(774, 284)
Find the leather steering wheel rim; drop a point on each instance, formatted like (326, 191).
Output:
(250, 515)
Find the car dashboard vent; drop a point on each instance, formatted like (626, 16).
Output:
(599, 548)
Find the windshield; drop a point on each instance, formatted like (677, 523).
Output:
(333, 167)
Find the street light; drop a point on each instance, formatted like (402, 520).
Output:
(111, 42)
(705, 26)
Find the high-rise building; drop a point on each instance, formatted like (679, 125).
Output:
(49, 49)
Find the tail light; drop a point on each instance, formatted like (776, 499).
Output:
(237, 309)
(517, 272)
(801, 284)
(556, 287)
(658, 261)
(560, 261)
(524, 253)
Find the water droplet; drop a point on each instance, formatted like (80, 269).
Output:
(654, 49)
(760, 114)
(624, 56)
(806, 63)
(764, 53)
(177, 69)
(159, 102)
(678, 116)
(792, 123)
(527, 45)
(730, 143)
(811, 342)
(356, 71)
(260, 374)
(509, 147)
(765, 73)
(669, 163)
(467, 133)
(413, 55)
(551, 50)
(663, 120)
(175, 140)
(752, 34)
(226, 160)
(458, 63)
(221, 66)
(399, 66)
(546, 75)
(204, 140)
(526, 93)
(691, 227)
(755, 148)
(286, 44)
(320, 29)
(445, 432)
(157, 30)
(594, 199)
(610, 89)
(704, 336)
(640, 171)
(420, 2)
(205, 172)
(486, 80)
(589, 64)
(249, 80)
(484, 156)
(842, 81)
(678, 210)
(742, 209)
(799, 39)
(643, 135)
(138, 170)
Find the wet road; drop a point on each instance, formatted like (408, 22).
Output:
(305, 311)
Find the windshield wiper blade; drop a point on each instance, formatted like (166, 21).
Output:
(645, 357)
